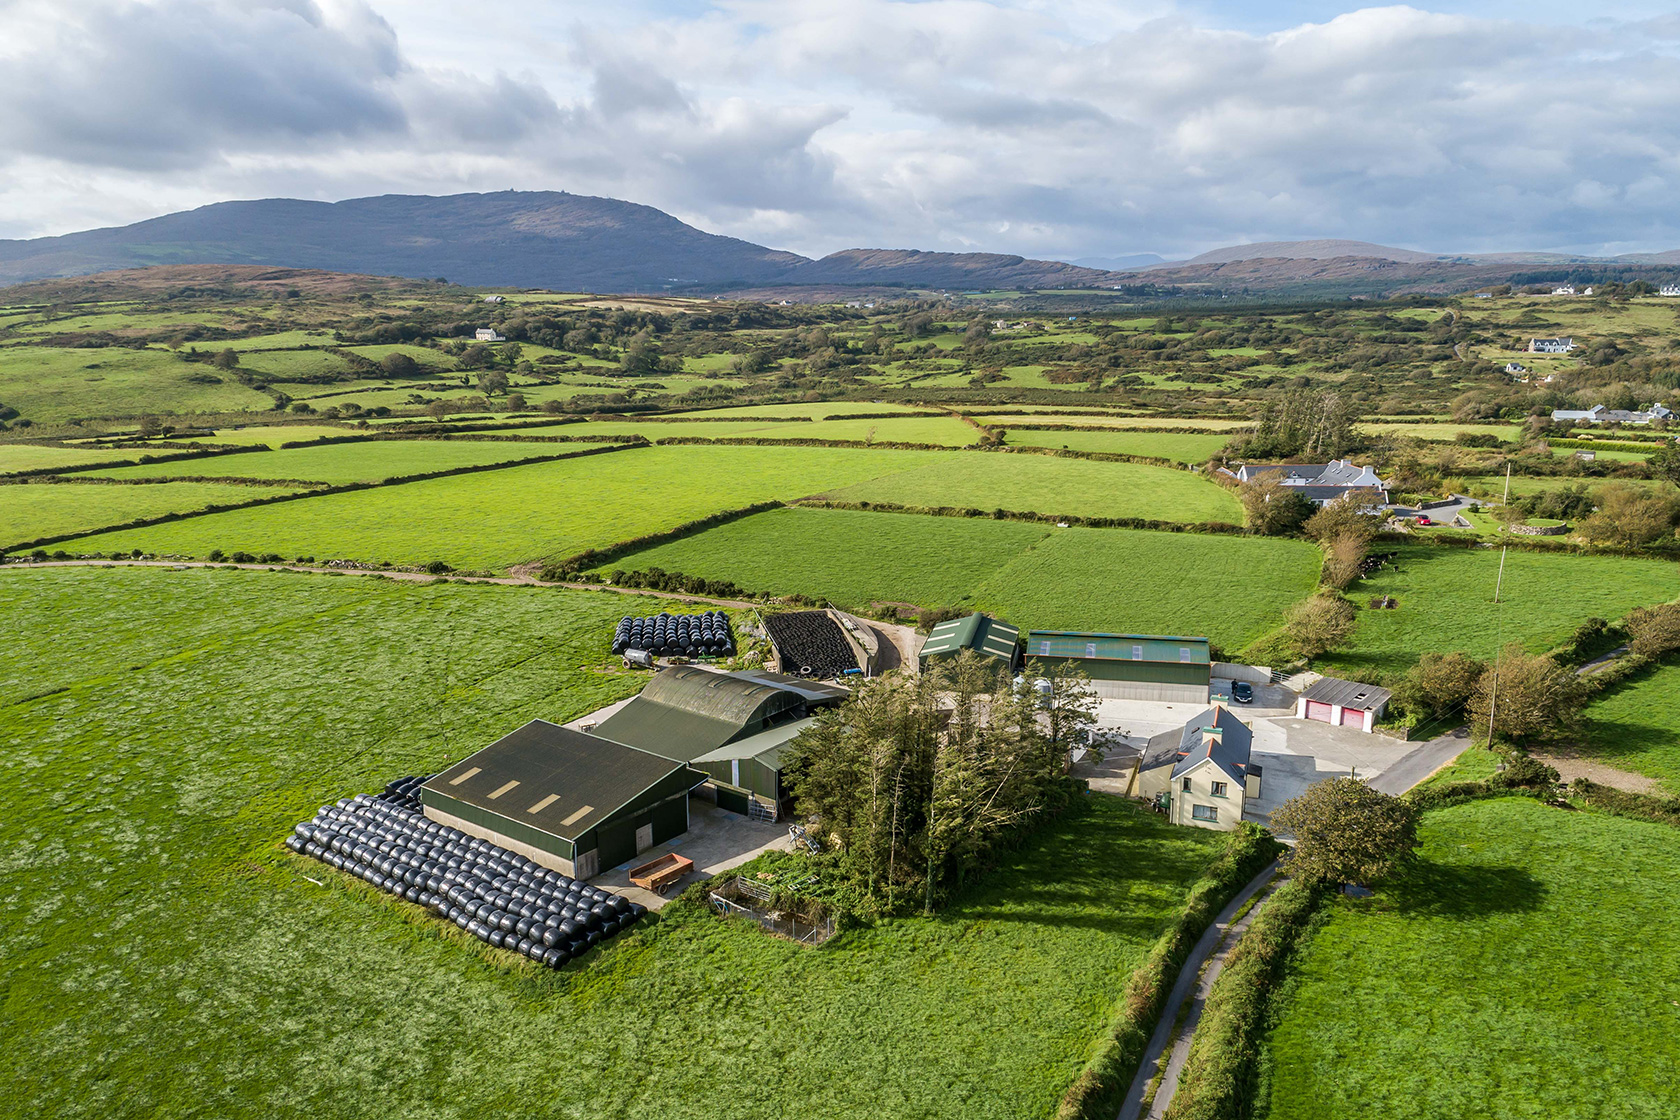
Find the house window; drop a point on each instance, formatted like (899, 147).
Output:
(1186, 786)
(1219, 789)
(1204, 813)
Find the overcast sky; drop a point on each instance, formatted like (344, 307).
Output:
(1051, 128)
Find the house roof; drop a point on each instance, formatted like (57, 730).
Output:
(766, 746)
(552, 778)
(686, 712)
(979, 632)
(1347, 694)
(1187, 747)
(1118, 647)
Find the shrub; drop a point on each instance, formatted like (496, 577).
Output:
(1347, 832)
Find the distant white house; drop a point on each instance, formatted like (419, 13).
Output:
(1669, 290)
(1484, 295)
(1550, 345)
(1598, 414)
(494, 299)
(1515, 367)
(1587, 292)
(1319, 483)
(488, 334)
(1564, 290)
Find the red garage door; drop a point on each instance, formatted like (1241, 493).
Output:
(1353, 717)
(1318, 710)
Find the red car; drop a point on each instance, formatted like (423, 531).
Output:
(1422, 520)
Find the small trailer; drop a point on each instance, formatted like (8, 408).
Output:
(659, 874)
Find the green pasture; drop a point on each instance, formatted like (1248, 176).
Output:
(1117, 420)
(341, 463)
(1632, 725)
(1508, 433)
(275, 435)
(293, 365)
(1184, 447)
(1232, 589)
(932, 429)
(524, 513)
(1526, 966)
(1051, 484)
(35, 510)
(150, 784)
(813, 411)
(15, 457)
(1445, 598)
(51, 385)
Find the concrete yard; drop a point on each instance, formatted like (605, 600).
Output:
(716, 840)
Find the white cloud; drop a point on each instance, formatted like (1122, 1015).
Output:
(1046, 127)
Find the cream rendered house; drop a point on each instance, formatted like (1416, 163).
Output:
(1202, 774)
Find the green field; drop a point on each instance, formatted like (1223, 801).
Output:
(31, 511)
(1185, 447)
(1632, 726)
(539, 511)
(1526, 967)
(15, 457)
(51, 385)
(277, 434)
(1509, 433)
(1048, 484)
(1112, 421)
(340, 463)
(1231, 589)
(148, 798)
(1446, 602)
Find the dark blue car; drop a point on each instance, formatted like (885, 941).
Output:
(1242, 692)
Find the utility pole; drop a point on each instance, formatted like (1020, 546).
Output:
(1499, 583)
(1507, 500)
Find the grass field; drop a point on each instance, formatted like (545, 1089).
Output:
(51, 385)
(16, 457)
(1185, 447)
(347, 462)
(165, 956)
(1632, 726)
(1047, 484)
(1509, 433)
(1232, 589)
(1525, 967)
(946, 431)
(277, 434)
(539, 511)
(1114, 421)
(31, 511)
(1446, 602)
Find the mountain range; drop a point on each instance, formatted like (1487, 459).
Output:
(555, 240)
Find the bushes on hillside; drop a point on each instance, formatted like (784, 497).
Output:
(1525, 696)
(1346, 832)
(1318, 625)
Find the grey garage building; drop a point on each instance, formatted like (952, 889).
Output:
(571, 801)
(1131, 666)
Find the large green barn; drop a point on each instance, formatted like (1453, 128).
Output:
(1131, 666)
(985, 635)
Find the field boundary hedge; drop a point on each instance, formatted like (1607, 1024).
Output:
(228, 480)
(141, 461)
(1097, 1092)
(1532, 544)
(1215, 528)
(596, 557)
(344, 488)
(1116, 428)
(1602, 444)
(1221, 1073)
(1621, 803)
(885, 445)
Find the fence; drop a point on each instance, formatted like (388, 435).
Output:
(801, 920)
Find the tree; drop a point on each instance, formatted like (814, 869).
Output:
(227, 359)
(1352, 515)
(1272, 508)
(1344, 560)
(516, 402)
(150, 426)
(1528, 696)
(1346, 832)
(492, 381)
(438, 409)
(1664, 462)
(1654, 631)
(1319, 624)
(1440, 683)
(398, 364)
(476, 356)
(1630, 517)
(1313, 424)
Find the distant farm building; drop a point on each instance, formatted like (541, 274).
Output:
(981, 633)
(1564, 290)
(1550, 345)
(1515, 367)
(1131, 666)
(1202, 773)
(730, 726)
(1343, 703)
(494, 299)
(571, 801)
(488, 334)
(1598, 414)
(1319, 483)
(1669, 290)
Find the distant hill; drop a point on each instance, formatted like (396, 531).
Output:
(527, 239)
(1119, 264)
(1310, 250)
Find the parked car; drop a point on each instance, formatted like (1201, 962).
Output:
(1242, 692)
(1424, 519)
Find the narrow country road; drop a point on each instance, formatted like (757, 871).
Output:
(1422, 762)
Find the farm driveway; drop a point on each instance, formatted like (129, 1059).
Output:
(716, 840)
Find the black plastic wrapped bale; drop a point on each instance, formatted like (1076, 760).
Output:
(498, 896)
(810, 644)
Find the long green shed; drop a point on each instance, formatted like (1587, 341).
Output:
(985, 635)
(1131, 666)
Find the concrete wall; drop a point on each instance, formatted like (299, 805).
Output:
(1253, 674)
(1151, 690)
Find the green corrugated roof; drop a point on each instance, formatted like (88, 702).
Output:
(766, 746)
(1118, 647)
(979, 632)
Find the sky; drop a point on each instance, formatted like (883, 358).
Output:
(1062, 129)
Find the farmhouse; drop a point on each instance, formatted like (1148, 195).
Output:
(1131, 666)
(1515, 367)
(571, 801)
(1201, 773)
(1550, 345)
(730, 726)
(1598, 414)
(488, 334)
(981, 633)
(1319, 483)
(1564, 290)
(1343, 703)
(494, 299)
(1669, 290)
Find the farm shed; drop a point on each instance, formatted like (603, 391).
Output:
(573, 802)
(1343, 703)
(1131, 666)
(1202, 772)
(729, 726)
(981, 633)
